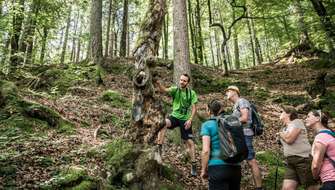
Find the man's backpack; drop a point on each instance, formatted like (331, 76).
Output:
(232, 141)
(257, 124)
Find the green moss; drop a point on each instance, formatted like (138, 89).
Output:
(8, 170)
(261, 94)
(115, 99)
(293, 100)
(66, 178)
(117, 151)
(170, 173)
(170, 187)
(23, 123)
(84, 185)
(45, 161)
(66, 127)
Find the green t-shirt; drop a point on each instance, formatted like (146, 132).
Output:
(183, 99)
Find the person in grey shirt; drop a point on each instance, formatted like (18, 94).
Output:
(242, 110)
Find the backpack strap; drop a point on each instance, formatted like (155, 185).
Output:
(331, 133)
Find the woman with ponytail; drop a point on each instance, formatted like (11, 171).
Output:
(323, 149)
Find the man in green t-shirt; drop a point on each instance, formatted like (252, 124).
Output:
(183, 111)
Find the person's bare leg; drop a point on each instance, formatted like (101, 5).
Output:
(289, 184)
(161, 134)
(256, 172)
(191, 149)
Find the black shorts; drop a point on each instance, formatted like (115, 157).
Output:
(185, 133)
(224, 177)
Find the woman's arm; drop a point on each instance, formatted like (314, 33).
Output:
(319, 151)
(206, 143)
(290, 136)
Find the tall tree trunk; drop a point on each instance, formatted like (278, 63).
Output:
(75, 36)
(123, 42)
(180, 40)
(236, 48)
(96, 37)
(166, 36)
(267, 47)
(27, 38)
(256, 45)
(148, 116)
(327, 24)
(44, 43)
(251, 43)
(199, 38)
(66, 37)
(116, 43)
(108, 27)
(18, 16)
(304, 37)
(192, 32)
(212, 49)
(111, 48)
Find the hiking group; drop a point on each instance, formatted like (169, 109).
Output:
(227, 140)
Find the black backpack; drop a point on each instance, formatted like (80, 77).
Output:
(232, 141)
(257, 124)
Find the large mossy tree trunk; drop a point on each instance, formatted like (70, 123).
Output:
(147, 114)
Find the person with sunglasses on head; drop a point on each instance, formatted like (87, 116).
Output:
(242, 110)
(297, 150)
(323, 149)
(220, 175)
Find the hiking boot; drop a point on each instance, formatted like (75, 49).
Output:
(194, 169)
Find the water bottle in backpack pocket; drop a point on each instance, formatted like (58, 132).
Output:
(232, 141)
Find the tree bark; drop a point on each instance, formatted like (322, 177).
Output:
(199, 38)
(192, 32)
(96, 37)
(166, 36)
(236, 48)
(44, 43)
(18, 16)
(66, 37)
(75, 36)
(180, 40)
(212, 49)
(251, 43)
(303, 32)
(108, 27)
(327, 24)
(148, 116)
(123, 42)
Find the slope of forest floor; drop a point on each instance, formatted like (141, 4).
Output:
(35, 156)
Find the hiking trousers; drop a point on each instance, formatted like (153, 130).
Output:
(224, 177)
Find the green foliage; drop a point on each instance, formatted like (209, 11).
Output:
(270, 159)
(115, 99)
(327, 103)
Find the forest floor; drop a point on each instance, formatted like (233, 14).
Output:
(31, 157)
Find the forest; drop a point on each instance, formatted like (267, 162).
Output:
(79, 103)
